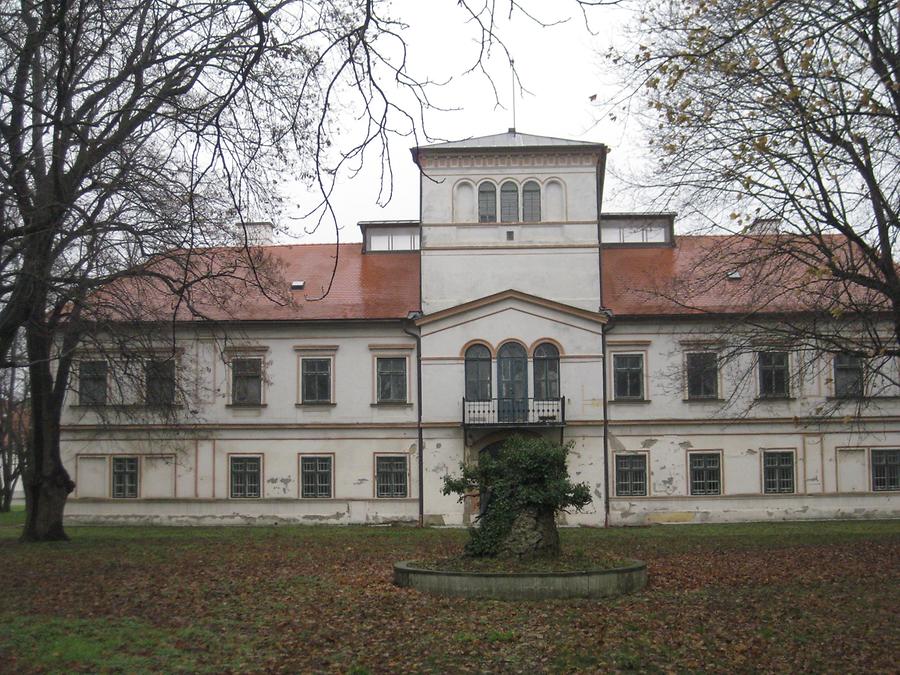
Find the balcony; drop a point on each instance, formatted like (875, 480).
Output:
(514, 412)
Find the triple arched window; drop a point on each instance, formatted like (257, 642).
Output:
(512, 372)
(512, 208)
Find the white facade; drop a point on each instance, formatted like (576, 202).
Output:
(333, 431)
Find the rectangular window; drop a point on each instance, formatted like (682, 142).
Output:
(125, 477)
(245, 477)
(702, 375)
(391, 385)
(774, 375)
(315, 476)
(159, 379)
(778, 472)
(246, 381)
(885, 470)
(628, 376)
(390, 476)
(631, 475)
(706, 477)
(316, 380)
(848, 376)
(92, 383)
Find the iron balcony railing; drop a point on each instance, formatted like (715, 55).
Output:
(514, 412)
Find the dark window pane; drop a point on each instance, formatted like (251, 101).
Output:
(478, 373)
(848, 376)
(92, 383)
(546, 372)
(487, 203)
(316, 385)
(531, 202)
(390, 476)
(246, 381)
(315, 477)
(125, 477)
(705, 474)
(773, 375)
(160, 382)
(885, 470)
(509, 202)
(628, 376)
(245, 477)
(778, 472)
(391, 380)
(631, 475)
(512, 383)
(702, 375)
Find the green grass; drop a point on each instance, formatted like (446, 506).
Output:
(14, 518)
(776, 597)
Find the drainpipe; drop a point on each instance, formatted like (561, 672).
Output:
(418, 338)
(601, 177)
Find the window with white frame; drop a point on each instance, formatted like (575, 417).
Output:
(315, 380)
(92, 385)
(246, 380)
(848, 376)
(702, 375)
(478, 373)
(391, 476)
(885, 470)
(631, 475)
(706, 473)
(509, 202)
(778, 472)
(487, 203)
(125, 477)
(246, 477)
(315, 477)
(546, 372)
(774, 375)
(531, 202)
(628, 377)
(391, 379)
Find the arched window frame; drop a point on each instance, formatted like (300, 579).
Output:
(546, 372)
(509, 202)
(487, 202)
(478, 373)
(531, 202)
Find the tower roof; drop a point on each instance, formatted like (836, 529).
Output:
(508, 139)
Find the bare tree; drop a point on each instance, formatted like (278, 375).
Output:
(13, 430)
(779, 122)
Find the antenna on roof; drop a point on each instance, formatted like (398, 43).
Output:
(512, 72)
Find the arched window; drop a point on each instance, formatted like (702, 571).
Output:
(478, 373)
(512, 383)
(546, 372)
(509, 202)
(531, 202)
(487, 203)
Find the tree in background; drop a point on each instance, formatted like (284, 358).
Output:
(779, 121)
(13, 430)
(523, 485)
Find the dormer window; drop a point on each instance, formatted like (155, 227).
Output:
(487, 203)
(509, 202)
(531, 202)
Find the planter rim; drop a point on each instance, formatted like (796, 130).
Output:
(409, 565)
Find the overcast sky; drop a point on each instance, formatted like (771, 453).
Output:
(561, 66)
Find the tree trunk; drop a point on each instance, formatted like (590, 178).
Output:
(6, 501)
(533, 535)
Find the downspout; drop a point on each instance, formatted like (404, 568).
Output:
(601, 177)
(418, 338)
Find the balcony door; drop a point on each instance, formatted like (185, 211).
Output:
(512, 383)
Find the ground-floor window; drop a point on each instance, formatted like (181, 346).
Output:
(706, 473)
(631, 475)
(315, 477)
(245, 477)
(778, 472)
(125, 477)
(885, 470)
(390, 476)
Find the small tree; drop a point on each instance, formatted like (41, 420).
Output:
(523, 486)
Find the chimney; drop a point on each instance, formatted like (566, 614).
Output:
(261, 233)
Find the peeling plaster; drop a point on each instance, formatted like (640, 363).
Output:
(685, 445)
(649, 443)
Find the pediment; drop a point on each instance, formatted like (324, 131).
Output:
(505, 298)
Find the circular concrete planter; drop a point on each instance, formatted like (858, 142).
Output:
(526, 586)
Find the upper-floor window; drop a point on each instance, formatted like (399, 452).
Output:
(773, 375)
(478, 373)
(702, 375)
(848, 376)
(315, 375)
(509, 202)
(531, 202)
(885, 470)
(391, 379)
(487, 203)
(159, 382)
(92, 385)
(628, 377)
(546, 372)
(246, 381)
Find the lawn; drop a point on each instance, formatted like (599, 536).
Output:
(762, 597)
